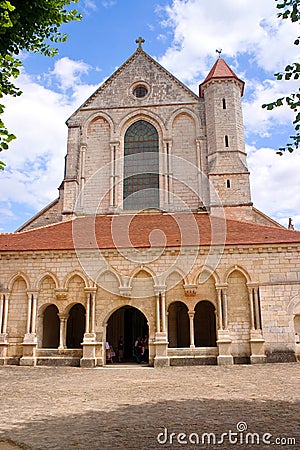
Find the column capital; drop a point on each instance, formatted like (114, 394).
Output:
(160, 289)
(221, 286)
(90, 290)
(61, 294)
(190, 289)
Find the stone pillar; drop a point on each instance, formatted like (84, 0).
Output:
(192, 339)
(223, 336)
(220, 309)
(161, 358)
(250, 296)
(257, 342)
(62, 330)
(30, 339)
(90, 345)
(4, 298)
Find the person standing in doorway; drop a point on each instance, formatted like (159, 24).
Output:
(121, 349)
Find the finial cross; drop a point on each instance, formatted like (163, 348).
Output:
(140, 41)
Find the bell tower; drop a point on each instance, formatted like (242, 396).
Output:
(227, 167)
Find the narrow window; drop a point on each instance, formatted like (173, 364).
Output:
(228, 184)
(226, 141)
(224, 103)
(141, 167)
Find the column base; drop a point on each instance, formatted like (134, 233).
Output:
(3, 348)
(88, 363)
(257, 344)
(258, 359)
(225, 357)
(225, 360)
(161, 343)
(92, 352)
(161, 361)
(29, 350)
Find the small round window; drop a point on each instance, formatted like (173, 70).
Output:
(140, 91)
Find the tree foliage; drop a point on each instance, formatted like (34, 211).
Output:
(290, 9)
(32, 26)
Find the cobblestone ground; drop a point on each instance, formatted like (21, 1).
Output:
(127, 407)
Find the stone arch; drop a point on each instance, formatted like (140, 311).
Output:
(75, 325)
(93, 117)
(239, 321)
(75, 286)
(178, 325)
(109, 280)
(73, 274)
(17, 314)
(129, 322)
(39, 280)
(142, 282)
(205, 331)
(239, 269)
(176, 272)
(186, 111)
(204, 273)
(15, 277)
(142, 114)
(50, 325)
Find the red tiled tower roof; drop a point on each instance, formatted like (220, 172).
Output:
(221, 71)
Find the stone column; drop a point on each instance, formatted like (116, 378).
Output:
(224, 340)
(2, 299)
(250, 296)
(62, 330)
(257, 342)
(157, 313)
(257, 309)
(220, 309)
(90, 344)
(192, 339)
(161, 358)
(3, 330)
(30, 338)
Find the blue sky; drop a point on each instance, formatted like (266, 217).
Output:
(183, 36)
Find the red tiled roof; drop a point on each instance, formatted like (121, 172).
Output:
(144, 230)
(220, 70)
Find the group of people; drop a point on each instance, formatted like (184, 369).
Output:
(141, 350)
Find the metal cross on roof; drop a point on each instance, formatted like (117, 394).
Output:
(140, 41)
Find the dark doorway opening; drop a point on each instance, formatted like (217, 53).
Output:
(178, 325)
(205, 324)
(130, 323)
(50, 327)
(75, 326)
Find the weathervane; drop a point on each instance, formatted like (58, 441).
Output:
(140, 41)
(219, 51)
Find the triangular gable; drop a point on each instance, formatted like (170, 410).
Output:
(139, 67)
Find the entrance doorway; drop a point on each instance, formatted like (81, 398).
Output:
(205, 325)
(130, 323)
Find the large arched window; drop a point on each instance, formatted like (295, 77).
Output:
(141, 167)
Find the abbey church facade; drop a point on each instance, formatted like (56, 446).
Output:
(153, 234)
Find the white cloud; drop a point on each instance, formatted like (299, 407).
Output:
(68, 72)
(275, 183)
(237, 27)
(35, 160)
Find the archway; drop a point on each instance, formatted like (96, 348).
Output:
(178, 325)
(50, 327)
(205, 324)
(75, 326)
(130, 323)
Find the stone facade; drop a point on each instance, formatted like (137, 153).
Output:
(219, 285)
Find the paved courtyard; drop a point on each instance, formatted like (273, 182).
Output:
(123, 407)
